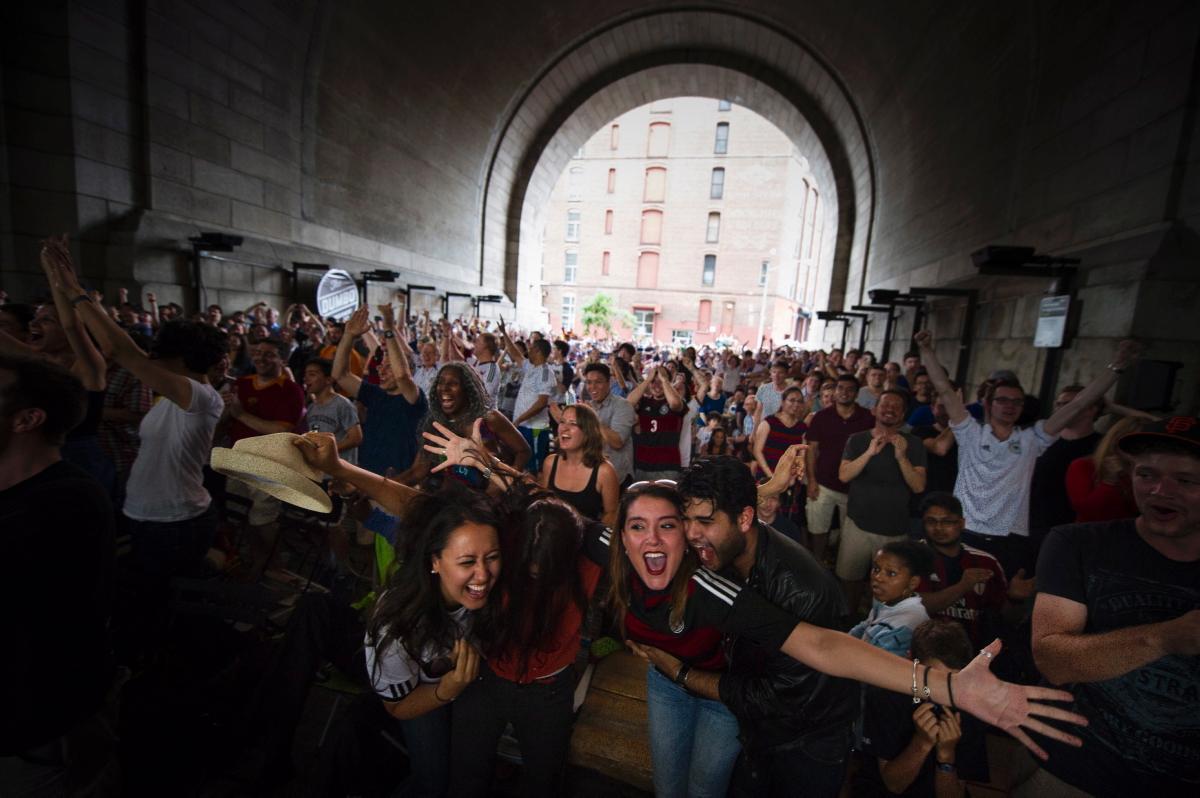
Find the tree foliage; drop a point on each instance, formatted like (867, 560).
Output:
(600, 315)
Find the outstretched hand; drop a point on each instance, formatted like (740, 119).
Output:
(1013, 707)
(358, 323)
(456, 449)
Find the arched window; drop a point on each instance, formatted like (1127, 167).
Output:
(659, 141)
(652, 227)
(721, 145)
(612, 180)
(575, 183)
(604, 260)
(709, 275)
(570, 266)
(614, 137)
(573, 217)
(716, 186)
(608, 222)
(647, 270)
(656, 185)
(713, 233)
(704, 321)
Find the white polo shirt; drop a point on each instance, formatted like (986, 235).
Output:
(994, 476)
(538, 381)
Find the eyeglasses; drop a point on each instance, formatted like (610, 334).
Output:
(670, 483)
(1007, 401)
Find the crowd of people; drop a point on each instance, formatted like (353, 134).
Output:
(816, 553)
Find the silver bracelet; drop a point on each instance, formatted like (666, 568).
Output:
(915, 696)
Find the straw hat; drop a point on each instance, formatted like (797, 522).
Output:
(273, 464)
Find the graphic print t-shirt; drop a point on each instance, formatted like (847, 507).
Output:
(1143, 735)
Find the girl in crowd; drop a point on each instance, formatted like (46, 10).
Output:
(457, 400)
(239, 355)
(718, 443)
(897, 609)
(577, 472)
(775, 433)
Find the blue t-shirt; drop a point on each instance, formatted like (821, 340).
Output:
(390, 431)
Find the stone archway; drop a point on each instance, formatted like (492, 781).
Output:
(651, 55)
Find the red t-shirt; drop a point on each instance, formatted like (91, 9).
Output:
(278, 400)
(564, 644)
(977, 610)
(830, 431)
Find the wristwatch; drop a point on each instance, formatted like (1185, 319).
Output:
(1115, 369)
(389, 334)
(946, 767)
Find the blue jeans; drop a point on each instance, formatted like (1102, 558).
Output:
(539, 444)
(693, 741)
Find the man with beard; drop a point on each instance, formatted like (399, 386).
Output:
(1117, 617)
(884, 467)
(795, 722)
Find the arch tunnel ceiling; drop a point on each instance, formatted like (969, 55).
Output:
(706, 54)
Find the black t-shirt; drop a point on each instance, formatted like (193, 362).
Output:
(887, 730)
(1143, 735)
(715, 607)
(941, 471)
(57, 550)
(1048, 503)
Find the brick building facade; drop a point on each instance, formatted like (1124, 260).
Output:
(680, 211)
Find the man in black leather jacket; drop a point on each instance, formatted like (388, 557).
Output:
(795, 722)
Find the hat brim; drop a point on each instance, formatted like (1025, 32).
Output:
(1134, 442)
(271, 478)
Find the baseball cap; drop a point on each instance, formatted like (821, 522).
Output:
(1180, 429)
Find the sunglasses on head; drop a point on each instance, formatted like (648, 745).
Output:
(670, 483)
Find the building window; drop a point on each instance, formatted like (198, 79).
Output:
(704, 322)
(656, 185)
(716, 187)
(575, 183)
(608, 223)
(709, 275)
(570, 266)
(612, 180)
(762, 273)
(713, 234)
(647, 270)
(659, 140)
(811, 223)
(681, 337)
(614, 137)
(643, 323)
(604, 263)
(573, 225)
(721, 146)
(727, 318)
(568, 312)
(724, 105)
(652, 227)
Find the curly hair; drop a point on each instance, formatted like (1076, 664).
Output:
(476, 402)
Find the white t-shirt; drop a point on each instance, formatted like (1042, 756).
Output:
(994, 475)
(395, 674)
(167, 480)
(491, 375)
(424, 376)
(537, 381)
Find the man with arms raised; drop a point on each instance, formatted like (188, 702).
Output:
(996, 459)
(1118, 618)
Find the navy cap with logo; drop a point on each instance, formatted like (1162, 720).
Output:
(1181, 430)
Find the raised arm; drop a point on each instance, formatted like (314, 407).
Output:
(673, 398)
(117, 343)
(396, 359)
(955, 408)
(89, 365)
(356, 326)
(1127, 353)
(514, 352)
(635, 395)
(320, 450)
